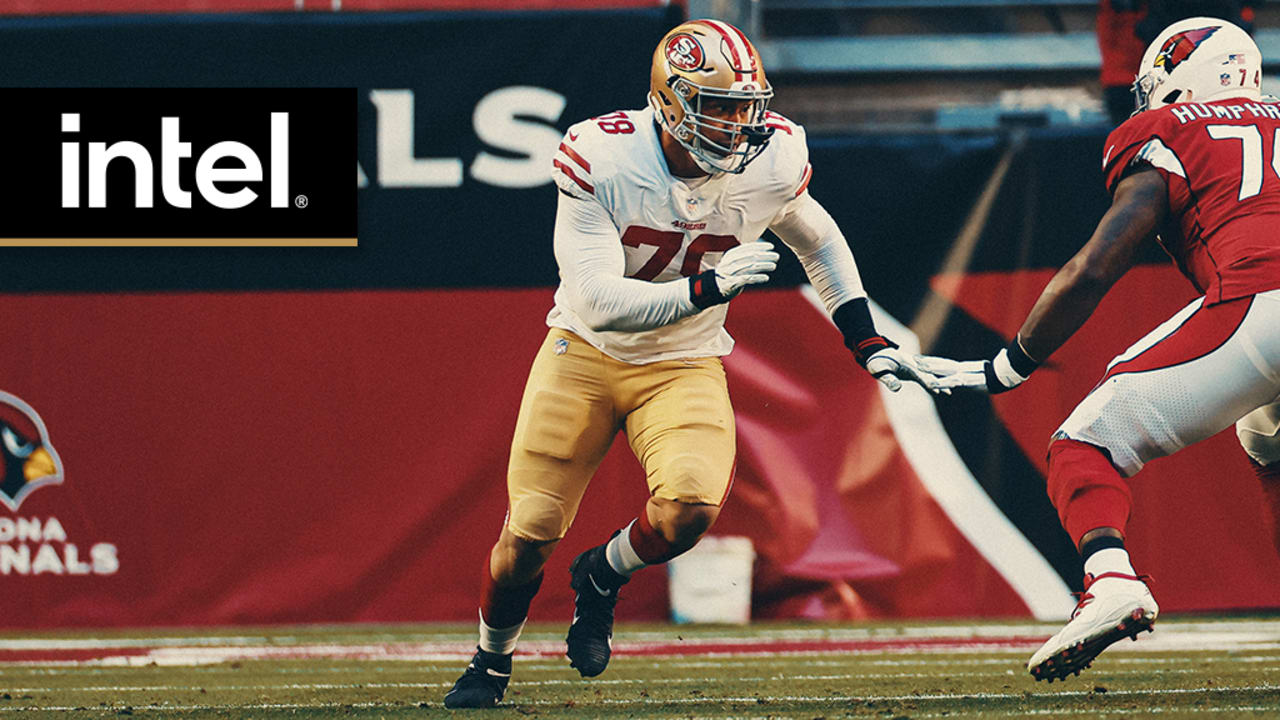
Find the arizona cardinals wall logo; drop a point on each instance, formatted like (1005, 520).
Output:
(27, 458)
(1180, 46)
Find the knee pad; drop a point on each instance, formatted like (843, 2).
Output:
(538, 518)
(686, 479)
(1259, 434)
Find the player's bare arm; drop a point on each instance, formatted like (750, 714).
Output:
(1138, 209)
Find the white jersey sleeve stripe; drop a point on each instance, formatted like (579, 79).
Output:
(1159, 155)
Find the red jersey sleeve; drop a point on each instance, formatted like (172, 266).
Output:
(1139, 142)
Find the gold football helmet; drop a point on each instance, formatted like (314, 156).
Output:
(696, 64)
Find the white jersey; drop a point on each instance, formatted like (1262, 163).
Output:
(668, 229)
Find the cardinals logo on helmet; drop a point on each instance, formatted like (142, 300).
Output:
(27, 458)
(1179, 47)
(685, 52)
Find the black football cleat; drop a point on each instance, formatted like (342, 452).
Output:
(483, 683)
(590, 637)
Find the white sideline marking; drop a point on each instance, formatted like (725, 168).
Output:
(527, 667)
(747, 635)
(1143, 672)
(928, 696)
(714, 700)
(1245, 637)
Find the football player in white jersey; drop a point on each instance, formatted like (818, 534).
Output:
(657, 228)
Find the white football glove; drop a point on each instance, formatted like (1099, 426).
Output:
(993, 376)
(743, 265)
(891, 366)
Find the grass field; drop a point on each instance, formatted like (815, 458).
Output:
(1191, 667)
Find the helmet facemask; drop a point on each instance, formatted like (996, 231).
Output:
(697, 131)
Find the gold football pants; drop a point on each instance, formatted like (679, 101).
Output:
(676, 414)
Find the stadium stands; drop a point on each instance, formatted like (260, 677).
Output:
(936, 64)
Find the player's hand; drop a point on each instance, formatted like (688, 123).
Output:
(741, 265)
(891, 366)
(964, 374)
(993, 376)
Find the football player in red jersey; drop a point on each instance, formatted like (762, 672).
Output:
(1197, 168)
(656, 232)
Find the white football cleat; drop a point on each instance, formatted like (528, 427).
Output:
(1113, 606)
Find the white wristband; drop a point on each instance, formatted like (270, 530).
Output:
(1005, 372)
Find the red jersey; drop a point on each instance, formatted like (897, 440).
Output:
(1220, 162)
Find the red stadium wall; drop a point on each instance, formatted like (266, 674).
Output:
(339, 456)
(317, 457)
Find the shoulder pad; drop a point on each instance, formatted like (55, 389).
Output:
(591, 152)
(788, 156)
(1124, 145)
(571, 170)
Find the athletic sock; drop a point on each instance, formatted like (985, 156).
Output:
(648, 545)
(503, 611)
(621, 556)
(1108, 560)
(499, 640)
(1100, 543)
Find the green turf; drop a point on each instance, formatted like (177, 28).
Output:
(1244, 682)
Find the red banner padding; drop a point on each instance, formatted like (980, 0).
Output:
(340, 456)
(1197, 524)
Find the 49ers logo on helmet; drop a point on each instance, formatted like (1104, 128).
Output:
(685, 52)
(1179, 47)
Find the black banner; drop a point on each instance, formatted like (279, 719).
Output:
(165, 166)
(457, 117)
